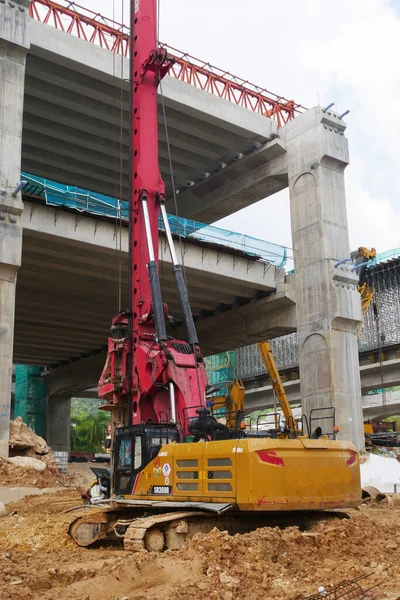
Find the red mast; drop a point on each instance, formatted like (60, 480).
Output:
(146, 376)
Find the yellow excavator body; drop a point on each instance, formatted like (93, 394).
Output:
(234, 483)
(255, 474)
(232, 404)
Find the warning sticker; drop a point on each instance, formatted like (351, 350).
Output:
(166, 469)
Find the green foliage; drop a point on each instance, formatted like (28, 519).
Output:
(392, 419)
(88, 425)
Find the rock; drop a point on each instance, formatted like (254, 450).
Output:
(391, 545)
(23, 437)
(27, 463)
(228, 580)
(3, 510)
(202, 585)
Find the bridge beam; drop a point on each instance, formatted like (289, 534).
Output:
(327, 300)
(14, 44)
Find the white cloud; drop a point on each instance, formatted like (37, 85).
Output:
(357, 63)
(373, 219)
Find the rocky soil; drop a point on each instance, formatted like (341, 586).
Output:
(39, 561)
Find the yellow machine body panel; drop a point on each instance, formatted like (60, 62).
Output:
(368, 428)
(255, 474)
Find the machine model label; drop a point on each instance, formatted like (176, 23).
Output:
(161, 489)
(166, 469)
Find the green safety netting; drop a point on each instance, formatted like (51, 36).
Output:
(57, 194)
(221, 370)
(30, 397)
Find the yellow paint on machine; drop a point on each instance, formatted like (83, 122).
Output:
(256, 474)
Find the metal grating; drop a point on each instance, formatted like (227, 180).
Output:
(382, 322)
(380, 329)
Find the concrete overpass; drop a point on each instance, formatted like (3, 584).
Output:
(62, 121)
(374, 407)
(373, 376)
(76, 127)
(73, 265)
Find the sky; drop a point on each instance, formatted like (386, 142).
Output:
(314, 52)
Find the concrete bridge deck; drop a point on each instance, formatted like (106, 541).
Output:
(74, 264)
(76, 130)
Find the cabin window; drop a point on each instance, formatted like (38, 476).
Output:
(125, 454)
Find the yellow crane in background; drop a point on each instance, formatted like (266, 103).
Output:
(232, 404)
(367, 293)
(277, 385)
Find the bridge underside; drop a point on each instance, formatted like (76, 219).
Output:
(76, 130)
(73, 281)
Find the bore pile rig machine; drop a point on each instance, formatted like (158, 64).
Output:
(176, 469)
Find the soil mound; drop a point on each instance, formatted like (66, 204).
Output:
(38, 561)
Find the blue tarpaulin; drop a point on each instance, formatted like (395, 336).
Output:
(57, 194)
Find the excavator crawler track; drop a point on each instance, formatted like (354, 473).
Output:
(169, 531)
(166, 531)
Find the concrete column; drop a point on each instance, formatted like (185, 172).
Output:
(58, 423)
(327, 301)
(14, 44)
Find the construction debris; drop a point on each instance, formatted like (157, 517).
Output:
(345, 590)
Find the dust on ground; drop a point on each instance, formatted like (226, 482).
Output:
(38, 560)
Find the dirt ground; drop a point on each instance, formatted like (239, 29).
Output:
(38, 561)
(82, 473)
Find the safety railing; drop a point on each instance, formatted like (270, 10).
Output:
(92, 27)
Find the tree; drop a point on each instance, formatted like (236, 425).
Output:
(88, 426)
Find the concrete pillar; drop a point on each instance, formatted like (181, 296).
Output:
(327, 301)
(58, 423)
(14, 44)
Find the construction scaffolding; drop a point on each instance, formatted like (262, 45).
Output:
(381, 326)
(380, 329)
(286, 354)
(221, 370)
(30, 397)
